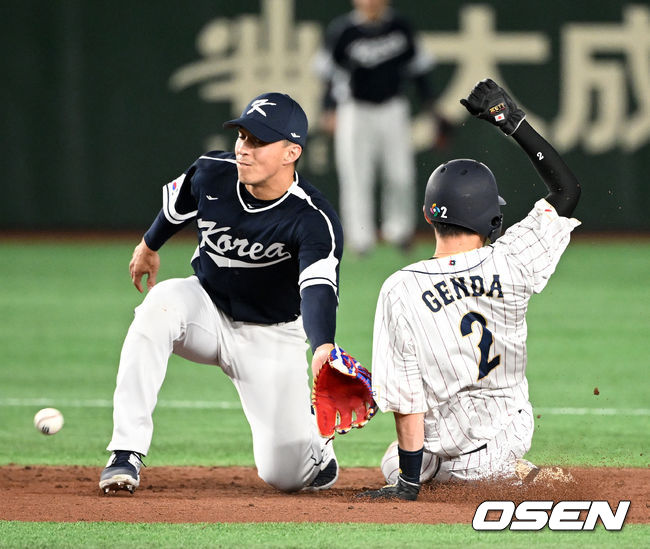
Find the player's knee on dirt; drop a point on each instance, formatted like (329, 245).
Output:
(283, 478)
(284, 467)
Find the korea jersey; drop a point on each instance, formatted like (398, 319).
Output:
(376, 57)
(450, 333)
(255, 257)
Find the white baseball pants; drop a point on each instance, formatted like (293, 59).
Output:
(496, 461)
(267, 364)
(372, 138)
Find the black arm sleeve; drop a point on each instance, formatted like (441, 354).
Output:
(161, 231)
(318, 309)
(564, 188)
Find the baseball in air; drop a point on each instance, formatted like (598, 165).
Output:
(48, 421)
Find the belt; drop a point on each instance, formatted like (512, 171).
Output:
(484, 446)
(475, 450)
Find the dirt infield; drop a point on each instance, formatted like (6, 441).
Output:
(236, 494)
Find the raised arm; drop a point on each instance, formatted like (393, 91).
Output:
(490, 102)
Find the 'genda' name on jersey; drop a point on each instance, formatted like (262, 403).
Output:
(444, 295)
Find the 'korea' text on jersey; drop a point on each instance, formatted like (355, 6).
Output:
(252, 252)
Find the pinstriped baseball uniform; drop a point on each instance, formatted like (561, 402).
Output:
(450, 337)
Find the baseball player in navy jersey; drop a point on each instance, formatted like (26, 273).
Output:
(368, 57)
(265, 280)
(449, 350)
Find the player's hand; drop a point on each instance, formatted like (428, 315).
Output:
(443, 130)
(328, 122)
(320, 356)
(490, 102)
(144, 262)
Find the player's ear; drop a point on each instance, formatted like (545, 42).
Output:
(426, 217)
(292, 152)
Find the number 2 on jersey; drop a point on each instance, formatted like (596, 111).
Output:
(466, 324)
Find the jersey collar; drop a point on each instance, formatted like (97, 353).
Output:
(273, 203)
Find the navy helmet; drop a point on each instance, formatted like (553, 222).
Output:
(464, 192)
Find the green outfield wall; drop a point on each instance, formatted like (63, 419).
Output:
(104, 102)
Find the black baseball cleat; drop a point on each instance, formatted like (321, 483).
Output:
(122, 472)
(327, 476)
(329, 473)
(402, 489)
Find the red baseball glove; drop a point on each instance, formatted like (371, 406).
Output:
(342, 394)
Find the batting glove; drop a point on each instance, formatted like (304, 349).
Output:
(490, 102)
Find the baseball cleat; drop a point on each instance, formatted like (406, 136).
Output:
(116, 486)
(329, 472)
(525, 470)
(548, 476)
(122, 472)
(402, 489)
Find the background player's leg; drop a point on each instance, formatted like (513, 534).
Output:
(160, 326)
(270, 373)
(356, 167)
(398, 208)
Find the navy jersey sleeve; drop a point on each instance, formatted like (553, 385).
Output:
(334, 44)
(179, 208)
(321, 249)
(329, 60)
(410, 52)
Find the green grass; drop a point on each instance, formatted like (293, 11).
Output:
(66, 307)
(314, 535)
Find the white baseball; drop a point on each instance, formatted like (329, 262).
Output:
(390, 463)
(48, 421)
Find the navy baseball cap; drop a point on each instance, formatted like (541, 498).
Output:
(271, 117)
